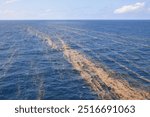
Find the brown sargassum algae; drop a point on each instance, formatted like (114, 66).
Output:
(105, 85)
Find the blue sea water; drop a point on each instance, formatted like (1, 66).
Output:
(30, 69)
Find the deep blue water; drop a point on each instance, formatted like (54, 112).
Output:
(30, 69)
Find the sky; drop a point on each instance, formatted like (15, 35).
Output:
(74, 9)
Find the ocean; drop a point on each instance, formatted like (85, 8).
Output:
(74, 60)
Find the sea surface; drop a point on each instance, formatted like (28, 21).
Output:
(31, 69)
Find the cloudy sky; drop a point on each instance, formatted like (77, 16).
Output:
(74, 9)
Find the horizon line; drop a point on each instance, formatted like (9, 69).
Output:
(66, 19)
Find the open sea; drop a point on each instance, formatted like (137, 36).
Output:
(35, 65)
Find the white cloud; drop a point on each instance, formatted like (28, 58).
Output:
(6, 11)
(129, 8)
(8, 14)
(48, 10)
(10, 1)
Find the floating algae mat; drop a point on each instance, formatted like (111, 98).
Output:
(74, 60)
